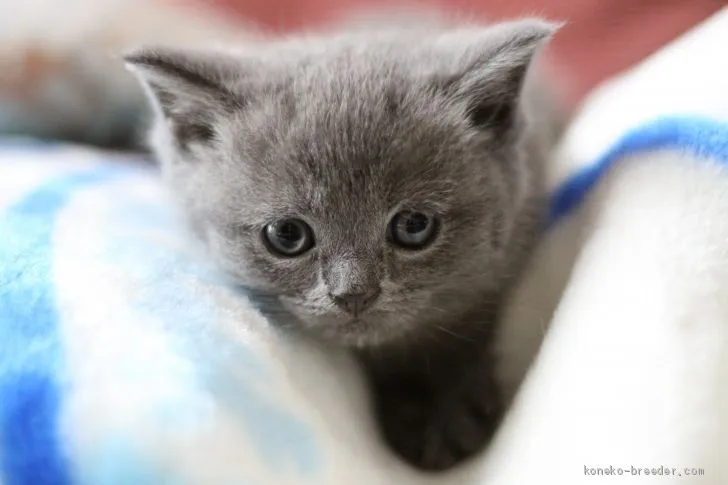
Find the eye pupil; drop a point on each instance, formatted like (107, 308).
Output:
(288, 234)
(416, 222)
(288, 237)
(412, 230)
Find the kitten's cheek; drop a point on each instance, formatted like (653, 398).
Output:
(238, 259)
(305, 310)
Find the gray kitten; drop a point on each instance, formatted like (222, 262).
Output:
(384, 186)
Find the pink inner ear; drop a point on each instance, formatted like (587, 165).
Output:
(622, 32)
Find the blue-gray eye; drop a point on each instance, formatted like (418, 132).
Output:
(288, 237)
(412, 230)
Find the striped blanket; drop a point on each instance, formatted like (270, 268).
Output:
(125, 358)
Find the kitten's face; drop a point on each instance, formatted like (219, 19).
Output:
(350, 180)
(370, 195)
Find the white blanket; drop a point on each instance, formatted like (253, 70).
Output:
(633, 371)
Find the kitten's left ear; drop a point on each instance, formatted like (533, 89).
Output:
(490, 68)
(189, 89)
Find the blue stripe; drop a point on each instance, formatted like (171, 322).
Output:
(30, 348)
(701, 137)
(36, 145)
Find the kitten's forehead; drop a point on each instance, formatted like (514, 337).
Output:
(335, 140)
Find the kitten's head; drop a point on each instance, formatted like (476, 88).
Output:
(373, 181)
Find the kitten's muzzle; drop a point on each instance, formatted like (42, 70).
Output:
(356, 302)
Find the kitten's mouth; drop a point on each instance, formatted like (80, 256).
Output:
(356, 324)
(360, 330)
(368, 328)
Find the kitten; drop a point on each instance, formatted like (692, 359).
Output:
(384, 185)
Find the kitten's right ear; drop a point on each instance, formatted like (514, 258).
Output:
(189, 89)
(486, 68)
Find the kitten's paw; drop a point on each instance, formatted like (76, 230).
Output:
(436, 434)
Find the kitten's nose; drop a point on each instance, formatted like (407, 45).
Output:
(356, 302)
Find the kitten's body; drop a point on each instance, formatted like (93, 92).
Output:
(341, 132)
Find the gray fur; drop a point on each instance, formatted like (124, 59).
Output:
(342, 131)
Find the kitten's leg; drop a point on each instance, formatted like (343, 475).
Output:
(436, 410)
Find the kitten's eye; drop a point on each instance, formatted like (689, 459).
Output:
(288, 237)
(412, 230)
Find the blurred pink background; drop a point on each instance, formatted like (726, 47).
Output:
(602, 37)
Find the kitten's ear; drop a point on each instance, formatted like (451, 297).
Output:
(490, 68)
(189, 89)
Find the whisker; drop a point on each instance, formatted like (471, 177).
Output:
(455, 334)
